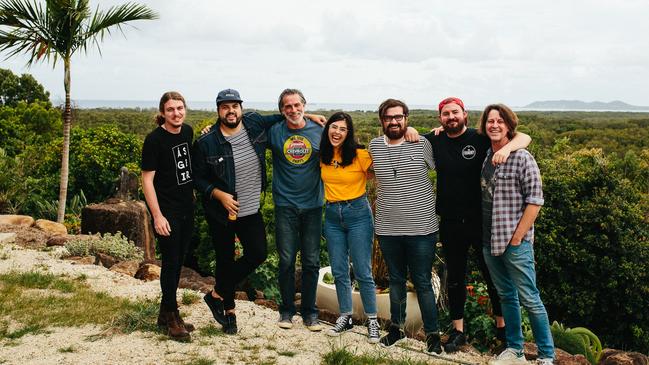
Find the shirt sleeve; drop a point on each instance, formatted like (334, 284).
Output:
(149, 154)
(531, 181)
(364, 159)
(428, 154)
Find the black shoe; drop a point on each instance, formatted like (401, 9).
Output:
(394, 335)
(230, 327)
(343, 323)
(216, 306)
(433, 343)
(455, 340)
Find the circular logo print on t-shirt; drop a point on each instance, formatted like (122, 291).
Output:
(468, 152)
(297, 149)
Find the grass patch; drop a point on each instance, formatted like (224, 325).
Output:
(344, 357)
(68, 349)
(200, 361)
(14, 335)
(81, 305)
(190, 297)
(286, 353)
(211, 331)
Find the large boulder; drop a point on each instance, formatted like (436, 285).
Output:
(129, 217)
(190, 279)
(55, 228)
(17, 220)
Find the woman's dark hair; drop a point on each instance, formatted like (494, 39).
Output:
(508, 115)
(169, 95)
(349, 145)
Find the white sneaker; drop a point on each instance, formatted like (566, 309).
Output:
(509, 357)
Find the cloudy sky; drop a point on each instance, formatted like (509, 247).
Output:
(363, 51)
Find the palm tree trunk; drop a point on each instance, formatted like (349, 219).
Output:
(65, 155)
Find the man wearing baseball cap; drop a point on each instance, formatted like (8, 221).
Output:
(459, 152)
(230, 174)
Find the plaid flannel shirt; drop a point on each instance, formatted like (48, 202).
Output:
(517, 183)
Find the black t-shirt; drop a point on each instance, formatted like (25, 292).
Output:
(169, 155)
(458, 162)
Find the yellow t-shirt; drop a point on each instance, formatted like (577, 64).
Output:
(345, 183)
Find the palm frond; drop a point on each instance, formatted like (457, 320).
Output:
(103, 23)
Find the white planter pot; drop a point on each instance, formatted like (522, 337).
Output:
(326, 299)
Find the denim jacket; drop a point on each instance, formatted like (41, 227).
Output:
(213, 161)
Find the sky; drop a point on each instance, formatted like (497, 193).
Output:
(364, 51)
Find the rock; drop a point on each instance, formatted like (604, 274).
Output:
(148, 272)
(563, 358)
(530, 351)
(267, 303)
(191, 279)
(259, 294)
(128, 268)
(104, 260)
(58, 240)
(7, 237)
(617, 357)
(129, 217)
(17, 220)
(52, 227)
(241, 295)
(127, 185)
(28, 237)
(82, 260)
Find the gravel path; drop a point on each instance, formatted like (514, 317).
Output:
(259, 341)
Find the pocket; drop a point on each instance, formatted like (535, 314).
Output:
(217, 164)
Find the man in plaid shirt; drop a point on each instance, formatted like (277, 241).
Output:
(511, 200)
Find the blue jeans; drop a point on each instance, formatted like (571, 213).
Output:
(514, 276)
(298, 229)
(349, 231)
(414, 254)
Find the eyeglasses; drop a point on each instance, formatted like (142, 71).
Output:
(396, 118)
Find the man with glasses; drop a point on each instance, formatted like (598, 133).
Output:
(405, 222)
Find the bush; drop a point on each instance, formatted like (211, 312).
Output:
(115, 245)
(592, 248)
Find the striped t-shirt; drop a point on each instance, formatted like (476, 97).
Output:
(405, 204)
(247, 172)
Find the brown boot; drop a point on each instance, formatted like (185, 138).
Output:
(188, 326)
(162, 322)
(174, 329)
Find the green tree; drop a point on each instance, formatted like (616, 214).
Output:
(58, 31)
(14, 89)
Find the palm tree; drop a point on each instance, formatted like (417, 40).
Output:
(56, 31)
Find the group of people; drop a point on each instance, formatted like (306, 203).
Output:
(487, 197)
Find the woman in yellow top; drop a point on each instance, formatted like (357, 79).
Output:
(349, 227)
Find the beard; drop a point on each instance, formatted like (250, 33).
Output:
(228, 124)
(394, 133)
(461, 123)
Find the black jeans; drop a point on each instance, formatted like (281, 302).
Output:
(229, 272)
(172, 251)
(458, 236)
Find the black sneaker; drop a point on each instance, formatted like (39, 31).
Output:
(394, 335)
(230, 327)
(455, 340)
(343, 323)
(433, 343)
(216, 306)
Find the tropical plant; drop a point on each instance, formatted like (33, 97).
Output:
(59, 30)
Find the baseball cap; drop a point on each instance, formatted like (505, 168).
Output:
(228, 95)
(450, 100)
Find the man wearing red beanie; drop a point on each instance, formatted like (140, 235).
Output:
(459, 152)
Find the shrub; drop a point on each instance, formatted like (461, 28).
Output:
(592, 248)
(115, 245)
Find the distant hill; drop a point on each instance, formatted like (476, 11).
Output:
(582, 105)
